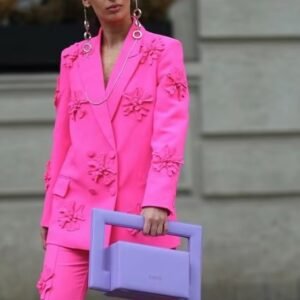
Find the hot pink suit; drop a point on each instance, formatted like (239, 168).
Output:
(123, 154)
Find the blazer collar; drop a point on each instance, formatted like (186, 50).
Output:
(92, 79)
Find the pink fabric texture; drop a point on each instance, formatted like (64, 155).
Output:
(123, 154)
(64, 274)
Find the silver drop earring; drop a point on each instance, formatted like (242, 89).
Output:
(137, 13)
(87, 46)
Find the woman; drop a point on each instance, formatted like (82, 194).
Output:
(122, 113)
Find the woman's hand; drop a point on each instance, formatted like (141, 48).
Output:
(43, 233)
(155, 221)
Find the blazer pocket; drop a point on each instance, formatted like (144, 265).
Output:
(61, 186)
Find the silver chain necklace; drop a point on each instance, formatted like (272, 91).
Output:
(137, 34)
(115, 82)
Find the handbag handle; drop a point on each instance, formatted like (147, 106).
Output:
(100, 277)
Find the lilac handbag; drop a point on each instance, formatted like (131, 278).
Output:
(141, 272)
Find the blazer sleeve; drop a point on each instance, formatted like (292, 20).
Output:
(60, 138)
(170, 126)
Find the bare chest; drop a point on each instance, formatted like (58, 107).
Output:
(109, 59)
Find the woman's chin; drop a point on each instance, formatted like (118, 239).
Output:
(115, 17)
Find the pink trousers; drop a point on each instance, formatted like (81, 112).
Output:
(64, 274)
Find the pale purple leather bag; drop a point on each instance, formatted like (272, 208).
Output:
(141, 272)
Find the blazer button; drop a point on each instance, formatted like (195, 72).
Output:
(91, 154)
(112, 155)
(93, 192)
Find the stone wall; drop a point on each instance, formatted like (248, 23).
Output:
(245, 148)
(242, 161)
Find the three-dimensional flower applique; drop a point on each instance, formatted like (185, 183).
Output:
(166, 159)
(75, 106)
(71, 216)
(176, 84)
(70, 55)
(136, 103)
(44, 283)
(101, 168)
(47, 175)
(152, 51)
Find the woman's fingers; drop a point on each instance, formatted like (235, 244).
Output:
(155, 221)
(147, 226)
(154, 226)
(160, 228)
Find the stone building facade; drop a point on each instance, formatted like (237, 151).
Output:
(241, 180)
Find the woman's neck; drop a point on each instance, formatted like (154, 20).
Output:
(115, 33)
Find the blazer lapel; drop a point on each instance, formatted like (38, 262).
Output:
(92, 80)
(123, 70)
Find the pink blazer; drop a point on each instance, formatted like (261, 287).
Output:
(124, 153)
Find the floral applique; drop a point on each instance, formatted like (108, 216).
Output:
(70, 55)
(75, 106)
(44, 283)
(152, 51)
(165, 160)
(101, 168)
(136, 103)
(70, 216)
(47, 176)
(176, 84)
